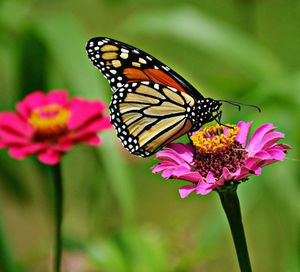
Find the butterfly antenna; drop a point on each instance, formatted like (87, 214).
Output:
(237, 104)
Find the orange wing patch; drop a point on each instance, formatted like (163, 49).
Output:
(154, 75)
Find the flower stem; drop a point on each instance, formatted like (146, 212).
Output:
(231, 205)
(58, 196)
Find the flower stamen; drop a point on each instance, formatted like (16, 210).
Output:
(49, 122)
(216, 148)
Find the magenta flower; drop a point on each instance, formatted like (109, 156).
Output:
(220, 155)
(50, 124)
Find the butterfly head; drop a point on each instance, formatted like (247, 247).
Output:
(205, 110)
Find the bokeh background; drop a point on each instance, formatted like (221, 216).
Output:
(118, 216)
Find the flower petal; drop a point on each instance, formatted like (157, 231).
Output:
(255, 142)
(184, 191)
(162, 166)
(191, 176)
(101, 123)
(263, 155)
(242, 135)
(277, 154)
(93, 140)
(84, 111)
(174, 172)
(185, 151)
(23, 151)
(169, 154)
(32, 101)
(271, 139)
(49, 156)
(227, 175)
(57, 97)
(12, 124)
(203, 188)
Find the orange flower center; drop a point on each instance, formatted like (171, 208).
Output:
(49, 122)
(216, 148)
(213, 139)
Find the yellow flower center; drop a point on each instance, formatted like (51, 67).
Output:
(215, 148)
(212, 139)
(49, 122)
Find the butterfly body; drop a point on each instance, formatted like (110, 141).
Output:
(151, 104)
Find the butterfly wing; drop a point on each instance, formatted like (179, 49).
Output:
(149, 115)
(121, 63)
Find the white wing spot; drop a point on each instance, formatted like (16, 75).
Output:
(124, 50)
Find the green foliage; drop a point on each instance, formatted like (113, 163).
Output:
(118, 215)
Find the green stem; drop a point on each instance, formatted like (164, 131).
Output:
(58, 196)
(231, 205)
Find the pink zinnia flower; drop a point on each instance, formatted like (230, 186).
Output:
(50, 124)
(220, 155)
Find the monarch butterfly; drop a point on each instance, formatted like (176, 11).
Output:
(151, 104)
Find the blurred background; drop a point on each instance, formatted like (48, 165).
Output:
(119, 216)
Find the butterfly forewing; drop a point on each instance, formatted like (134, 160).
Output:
(121, 63)
(146, 123)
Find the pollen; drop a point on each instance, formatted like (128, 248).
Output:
(212, 139)
(216, 148)
(49, 122)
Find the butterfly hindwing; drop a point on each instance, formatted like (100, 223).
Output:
(149, 115)
(121, 63)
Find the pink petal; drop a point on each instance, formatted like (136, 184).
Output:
(162, 166)
(242, 135)
(284, 146)
(210, 178)
(227, 175)
(263, 155)
(253, 165)
(23, 110)
(9, 138)
(203, 188)
(2, 144)
(101, 123)
(169, 154)
(174, 171)
(180, 170)
(57, 97)
(184, 191)
(245, 173)
(33, 100)
(93, 140)
(191, 176)
(256, 139)
(185, 151)
(84, 111)
(23, 151)
(49, 156)
(63, 146)
(207, 185)
(13, 124)
(271, 138)
(277, 154)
